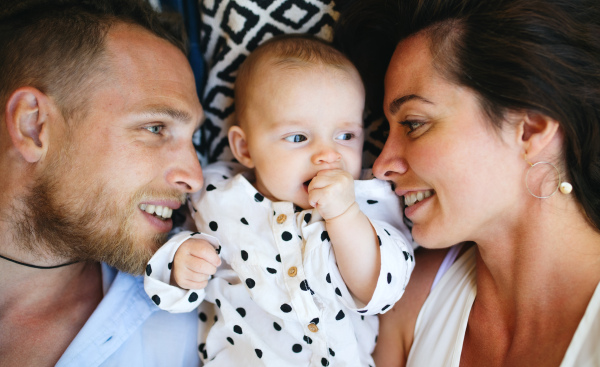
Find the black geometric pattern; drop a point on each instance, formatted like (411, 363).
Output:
(229, 31)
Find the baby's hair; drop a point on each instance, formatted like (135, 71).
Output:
(291, 51)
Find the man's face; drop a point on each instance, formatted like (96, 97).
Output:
(132, 151)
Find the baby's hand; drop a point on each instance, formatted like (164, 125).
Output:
(195, 261)
(331, 192)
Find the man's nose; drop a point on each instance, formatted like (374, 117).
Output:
(186, 173)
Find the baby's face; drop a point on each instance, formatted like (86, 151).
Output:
(300, 121)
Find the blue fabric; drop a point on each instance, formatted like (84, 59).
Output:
(127, 329)
(189, 10)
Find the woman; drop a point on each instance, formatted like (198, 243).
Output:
(494, 113)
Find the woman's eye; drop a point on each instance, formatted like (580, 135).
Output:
(154, 129)
(412, 125)
(345, 136)
(296, 138)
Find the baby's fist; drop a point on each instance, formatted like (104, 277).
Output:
(195, 261)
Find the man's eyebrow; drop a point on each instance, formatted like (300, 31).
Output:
(398, 102)
(175, 114)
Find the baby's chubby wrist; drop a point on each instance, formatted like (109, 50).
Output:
(349, 214)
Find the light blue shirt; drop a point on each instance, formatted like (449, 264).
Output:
(128, 329)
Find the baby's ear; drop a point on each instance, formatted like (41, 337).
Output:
(239, 146)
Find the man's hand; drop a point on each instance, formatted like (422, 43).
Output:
(331, 192)
(195, 261)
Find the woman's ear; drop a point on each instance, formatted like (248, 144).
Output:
(536, 132)
(239, 146)
(27, 113)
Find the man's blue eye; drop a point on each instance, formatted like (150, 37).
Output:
(345, 136)
(296, 138)
(154, 129)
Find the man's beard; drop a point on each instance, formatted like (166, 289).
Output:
(91, 227)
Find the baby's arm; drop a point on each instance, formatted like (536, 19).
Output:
(159, 276)
(352, 236)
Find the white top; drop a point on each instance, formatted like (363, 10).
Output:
(442, 322)
(128, 330)
(280, 298)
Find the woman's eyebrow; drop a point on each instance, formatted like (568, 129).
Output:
(397, 103)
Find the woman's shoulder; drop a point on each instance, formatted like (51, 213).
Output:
(397, 326)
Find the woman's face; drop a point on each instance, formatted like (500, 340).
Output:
(460, 177)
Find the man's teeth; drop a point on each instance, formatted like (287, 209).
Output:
(160, 211)
(414, 197)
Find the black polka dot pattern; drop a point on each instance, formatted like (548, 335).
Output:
(259, 278)
(210, 188)
(286, 308)
(241, 311)
(170, 265)
(156, 299)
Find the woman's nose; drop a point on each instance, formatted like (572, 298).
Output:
(390, 161)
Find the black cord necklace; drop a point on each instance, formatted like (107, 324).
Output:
(37, 266)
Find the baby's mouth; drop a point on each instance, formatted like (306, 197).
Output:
(306, 183)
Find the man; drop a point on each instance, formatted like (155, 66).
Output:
(98, 110)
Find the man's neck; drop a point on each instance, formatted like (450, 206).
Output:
(52, 304)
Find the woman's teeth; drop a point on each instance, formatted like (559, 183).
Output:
(161, 212)
(414, 197)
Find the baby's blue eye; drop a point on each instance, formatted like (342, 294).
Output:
(296, 138)
(154, 129)
(345, 136)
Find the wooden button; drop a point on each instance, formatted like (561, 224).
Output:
(313, 328)
(281, 218)
(292, 271)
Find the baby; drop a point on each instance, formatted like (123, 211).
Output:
(306, 255)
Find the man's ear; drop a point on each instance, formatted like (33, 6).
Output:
(536, 132)
(27, 113)
(239, 146)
